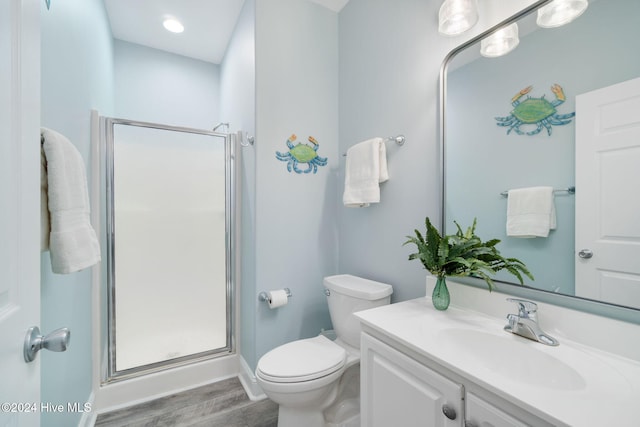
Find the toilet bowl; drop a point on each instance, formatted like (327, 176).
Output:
(308, 376)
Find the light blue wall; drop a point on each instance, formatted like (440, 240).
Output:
(390, 58)
(77, 76)
(237, 106)
(565, 56)
(384, 81)
(370, 70)
(389, 61)
(295, 229)
(162, 87)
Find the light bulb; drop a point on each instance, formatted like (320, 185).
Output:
(560, 12)
(501, 42)
(457, 16)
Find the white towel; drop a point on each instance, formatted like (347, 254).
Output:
(365, 169)
(531, 212)
(45, 227)
(72, 242)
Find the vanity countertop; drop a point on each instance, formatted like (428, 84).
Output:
(573, 384)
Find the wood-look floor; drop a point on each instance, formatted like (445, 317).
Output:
(223, 404)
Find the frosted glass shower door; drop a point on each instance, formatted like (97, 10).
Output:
(169, 212)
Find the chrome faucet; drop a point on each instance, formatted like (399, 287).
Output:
(525, 323)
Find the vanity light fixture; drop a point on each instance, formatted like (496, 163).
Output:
(501, 42)
(173, 25)
(457, 16)
(560, 12)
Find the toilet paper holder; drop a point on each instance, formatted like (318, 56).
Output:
(264, 296)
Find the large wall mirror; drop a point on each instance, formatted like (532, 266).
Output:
(483, 159)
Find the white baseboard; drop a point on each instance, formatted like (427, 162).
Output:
(248, 381)
(118, 395)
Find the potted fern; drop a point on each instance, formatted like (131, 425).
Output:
(458, 255)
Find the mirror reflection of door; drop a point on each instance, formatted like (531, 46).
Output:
(170, 259)
(608, 202)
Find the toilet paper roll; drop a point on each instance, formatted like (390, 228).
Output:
(278, 298)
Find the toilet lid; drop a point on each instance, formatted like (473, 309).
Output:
(302, 360)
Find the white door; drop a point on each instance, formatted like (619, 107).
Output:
(20, 209)
(608, 194)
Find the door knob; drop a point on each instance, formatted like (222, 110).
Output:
(585, 253)
(449, 412)
(57, 340)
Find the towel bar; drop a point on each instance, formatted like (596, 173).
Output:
(569, 190)
(400, 139)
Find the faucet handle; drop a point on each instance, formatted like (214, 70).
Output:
(513, 322)
(525, 308)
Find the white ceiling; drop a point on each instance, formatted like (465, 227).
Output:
(208, 24)
(335, 5)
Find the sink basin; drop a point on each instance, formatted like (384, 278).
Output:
(512, 357)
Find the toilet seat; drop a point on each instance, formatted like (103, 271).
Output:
(302, 360)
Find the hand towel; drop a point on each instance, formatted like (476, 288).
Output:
(73, 244)
(366, 168)
(530, 212)
(45, 228)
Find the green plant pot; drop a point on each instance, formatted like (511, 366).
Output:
(440, 296)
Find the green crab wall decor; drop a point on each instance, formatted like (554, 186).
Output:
(302, 153)
(535, 111)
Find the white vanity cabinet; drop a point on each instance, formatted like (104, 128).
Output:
(397, 389)
(416, 359)
(480, 413)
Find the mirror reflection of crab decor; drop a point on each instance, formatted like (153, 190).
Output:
(535, 111)
(302, 153)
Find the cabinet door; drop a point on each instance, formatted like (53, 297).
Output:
(399, 391)
(483, 414)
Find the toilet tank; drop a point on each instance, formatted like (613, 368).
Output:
(348, 294)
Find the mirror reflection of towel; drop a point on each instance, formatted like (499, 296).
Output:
(72, 241)
(530, 212)
(365, 169)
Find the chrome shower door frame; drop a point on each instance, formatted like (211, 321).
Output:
(109, 372)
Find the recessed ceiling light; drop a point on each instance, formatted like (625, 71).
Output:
(173, 25)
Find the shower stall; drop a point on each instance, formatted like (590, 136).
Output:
(169, 232)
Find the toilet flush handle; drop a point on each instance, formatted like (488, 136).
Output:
(327, 292)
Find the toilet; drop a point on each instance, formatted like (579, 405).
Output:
(315, 381)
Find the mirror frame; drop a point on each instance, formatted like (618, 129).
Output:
(613, 311)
